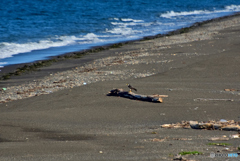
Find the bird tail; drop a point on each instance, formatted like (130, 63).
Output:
(134, 89)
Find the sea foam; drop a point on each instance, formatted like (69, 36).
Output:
(172, 14)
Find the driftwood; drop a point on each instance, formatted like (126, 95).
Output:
(128, 94)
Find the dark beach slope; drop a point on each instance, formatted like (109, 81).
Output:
(82, 123)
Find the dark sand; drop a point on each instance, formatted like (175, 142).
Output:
(82, 123)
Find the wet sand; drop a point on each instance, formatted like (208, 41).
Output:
(67, 120)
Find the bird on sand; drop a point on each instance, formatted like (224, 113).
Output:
(131, 88)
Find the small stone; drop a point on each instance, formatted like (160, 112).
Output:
(223, 120)
(194, 124)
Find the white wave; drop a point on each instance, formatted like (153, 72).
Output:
(232, 8)
(2, 63)
(175, 14)
(124, 27)
(126, 24)
(129, 19)
(121, 31)
(91, 37)
(10, 49)
(129, 22)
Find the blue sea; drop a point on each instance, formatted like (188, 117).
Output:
(33, 30)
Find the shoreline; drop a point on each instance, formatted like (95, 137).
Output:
(18, 69)
(92, 67)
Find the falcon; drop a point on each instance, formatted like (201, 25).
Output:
(131, 88)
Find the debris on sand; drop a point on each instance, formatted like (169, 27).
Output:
(229, 125)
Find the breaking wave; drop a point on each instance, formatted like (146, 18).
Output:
(171, 14)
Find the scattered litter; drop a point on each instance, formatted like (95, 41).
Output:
(229, 125)
(84, 83)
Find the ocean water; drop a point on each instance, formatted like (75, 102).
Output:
(33, 30)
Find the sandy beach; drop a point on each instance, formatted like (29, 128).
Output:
(62, 111)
